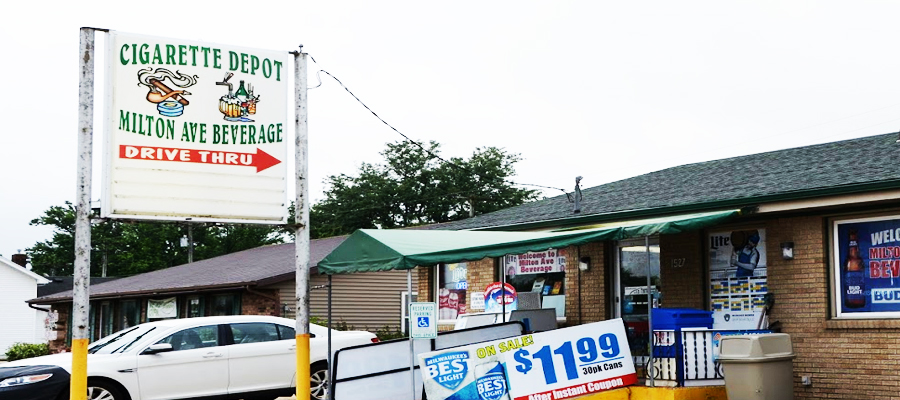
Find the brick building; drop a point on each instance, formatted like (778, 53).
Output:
(785, 263)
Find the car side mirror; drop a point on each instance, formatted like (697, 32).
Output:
(158, 348)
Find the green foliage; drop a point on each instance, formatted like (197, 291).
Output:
(338, 326)
(414, 188)
(384, 333)
(129, 248)
(389, 333)
(19, 351)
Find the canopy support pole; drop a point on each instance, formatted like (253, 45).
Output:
(328, 371)
(412, 350)
(649, 308)
(499, 267)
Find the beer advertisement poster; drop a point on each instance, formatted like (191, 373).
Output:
(195, 130)
(738, 278)
(866, 265)
(553, 365)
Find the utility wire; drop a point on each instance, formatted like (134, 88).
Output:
(419, 145)
(616, 169)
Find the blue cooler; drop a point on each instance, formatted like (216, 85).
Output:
(675, 318)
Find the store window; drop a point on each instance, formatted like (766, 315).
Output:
(129, 314)
(158, 309)
(226, 304)
(865, 267)
(542, 272)
(106, 320)
(194, 307)
(93, 329)
(451, 290)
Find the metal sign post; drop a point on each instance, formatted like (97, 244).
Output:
(422, 325)
(424, 320)
(301, 242)
(224, 144)
(80, 289)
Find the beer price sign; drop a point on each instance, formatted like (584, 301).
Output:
(553, 365)
(195, 130)
(867, 267)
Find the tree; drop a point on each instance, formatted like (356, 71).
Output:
(133, 247)
(414, 187)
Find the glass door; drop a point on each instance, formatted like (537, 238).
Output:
(634, 262)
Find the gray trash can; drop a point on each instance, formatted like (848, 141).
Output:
(758, 367)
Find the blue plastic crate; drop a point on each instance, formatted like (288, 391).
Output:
(664, 351)
(674, 318)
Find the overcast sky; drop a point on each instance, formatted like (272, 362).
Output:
(605, 90)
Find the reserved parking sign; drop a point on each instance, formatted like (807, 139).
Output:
(424, 320)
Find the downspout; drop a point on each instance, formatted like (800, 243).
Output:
(580, 294)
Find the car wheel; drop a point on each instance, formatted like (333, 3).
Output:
(318, 382)
(102, 390)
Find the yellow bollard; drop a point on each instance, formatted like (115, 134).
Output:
(302, 366)
(78, 384)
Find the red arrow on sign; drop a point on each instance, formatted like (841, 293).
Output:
(261, 160)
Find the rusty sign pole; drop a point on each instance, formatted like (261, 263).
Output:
(301, 233)
(80, 289)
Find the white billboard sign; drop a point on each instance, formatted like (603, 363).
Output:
(195, 131)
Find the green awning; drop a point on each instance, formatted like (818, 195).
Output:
(371, 250)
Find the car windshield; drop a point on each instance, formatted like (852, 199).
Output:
(120, 341)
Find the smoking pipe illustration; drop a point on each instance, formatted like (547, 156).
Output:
(155, 97)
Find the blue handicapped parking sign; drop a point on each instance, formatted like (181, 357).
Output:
(423, 320)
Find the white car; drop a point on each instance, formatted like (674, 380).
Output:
(233, 357)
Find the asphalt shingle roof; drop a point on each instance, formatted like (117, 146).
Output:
(247, 267)
(64, 283)
(864, 161)
(868, 160)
